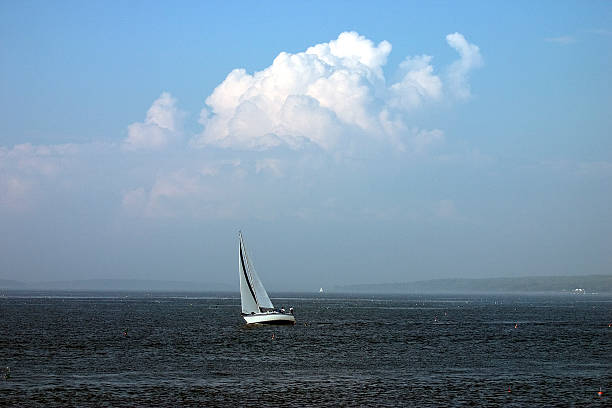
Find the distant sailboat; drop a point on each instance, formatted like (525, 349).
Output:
(256, 305)
(321, 290)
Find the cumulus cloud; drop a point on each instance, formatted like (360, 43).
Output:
(24, 167)
(200, 191)
(173, 188)
(328, 96)
(418, 84)
(30, 159)
(459, 70)
(171, 193)
(161, 127)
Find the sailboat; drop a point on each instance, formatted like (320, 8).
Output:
(256, 305)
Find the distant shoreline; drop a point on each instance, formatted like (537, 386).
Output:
(138, 285)
(587, 284)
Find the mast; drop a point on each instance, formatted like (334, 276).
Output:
(248, 299)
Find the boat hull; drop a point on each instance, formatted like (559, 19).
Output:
(269, 318)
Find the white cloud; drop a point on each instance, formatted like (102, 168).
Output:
(424, 139)
(445, 209)
(45, 160)
(561, 40)
(271, 166)
(135, 201)
(418, 85)
(176, 187)
(187, 192)
(14, 192)
(161, 127)
(580, 168)
(459, 70)
(596, 168)
(471, 157)
(601, 31)
(219, 166)
(328, 96)
(24, 167)
(332, 97)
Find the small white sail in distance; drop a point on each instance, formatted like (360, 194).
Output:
(253, 295)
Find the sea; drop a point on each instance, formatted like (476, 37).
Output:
(193, 349)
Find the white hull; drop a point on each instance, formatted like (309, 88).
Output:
(269, 318)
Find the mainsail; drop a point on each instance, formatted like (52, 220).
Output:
(253, 296)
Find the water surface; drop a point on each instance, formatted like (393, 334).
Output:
(71, 349)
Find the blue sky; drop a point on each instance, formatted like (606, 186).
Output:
(351, 142)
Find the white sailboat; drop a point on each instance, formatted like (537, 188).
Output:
(256, 305)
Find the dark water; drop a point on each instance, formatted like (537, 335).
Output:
(380, 351)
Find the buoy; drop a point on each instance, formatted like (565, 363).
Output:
(600, 392)
(272, 336)
(516, 325)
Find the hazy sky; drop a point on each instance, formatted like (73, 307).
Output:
(352, 142)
